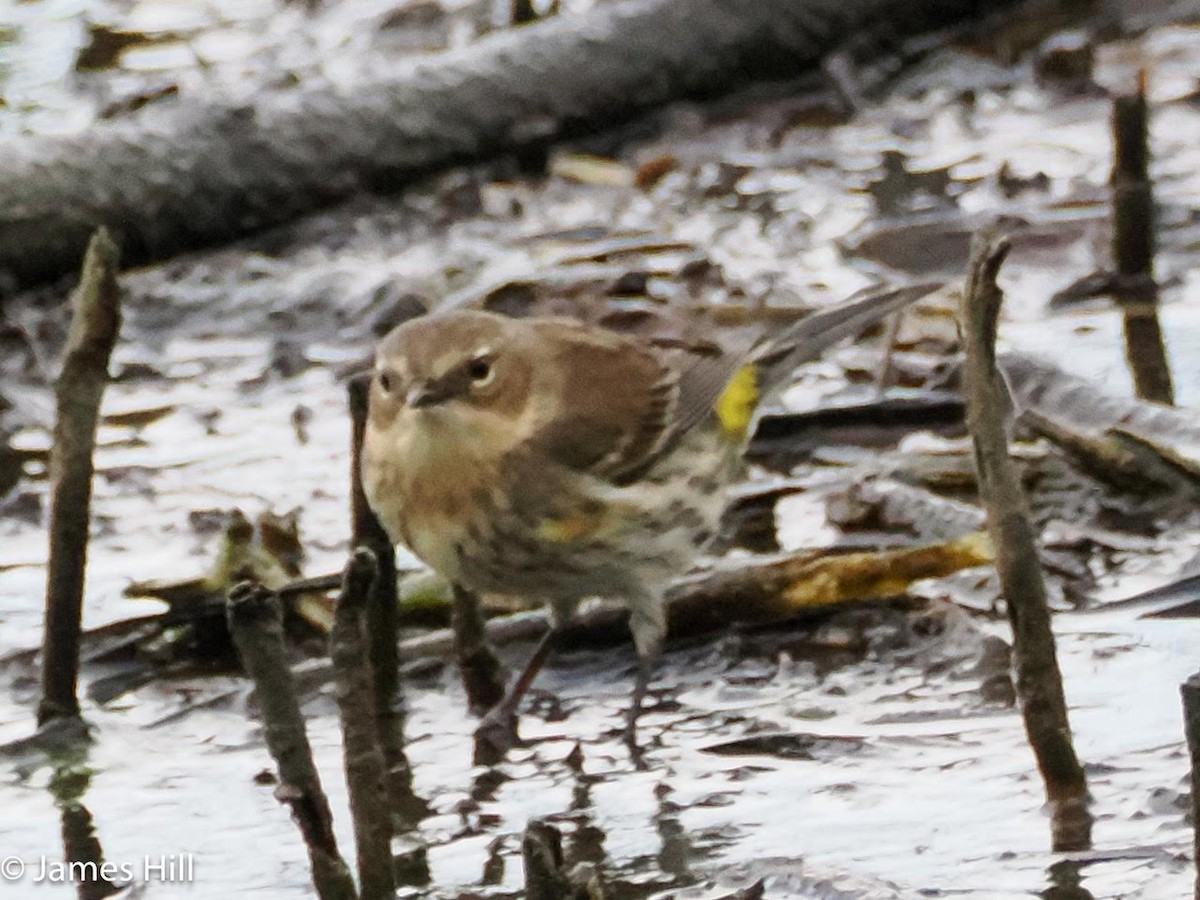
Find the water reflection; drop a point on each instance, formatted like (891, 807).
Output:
(1066, 882)
(82, 853)
(676, 848)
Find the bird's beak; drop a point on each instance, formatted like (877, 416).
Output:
(425, 394)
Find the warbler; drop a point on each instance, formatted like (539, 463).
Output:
(560, 461)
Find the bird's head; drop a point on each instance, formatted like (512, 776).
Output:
(461, 369)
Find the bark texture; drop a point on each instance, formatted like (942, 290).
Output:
(1039, 681)
(95, 321)
(168, 180)
(255, 620)
(366, 772)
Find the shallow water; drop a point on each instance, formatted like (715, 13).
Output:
(933, 793)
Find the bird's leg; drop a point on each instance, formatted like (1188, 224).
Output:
(482, 673)
(645, 672)
(497, 732)
(649, 626)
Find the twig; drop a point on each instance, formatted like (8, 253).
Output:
(256, 623)
(1039, 681)
(1190, 690)
(1133, 246)
(383, 619)
(95, 321)
(363, 757)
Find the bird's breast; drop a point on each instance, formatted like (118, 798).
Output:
(420, 489)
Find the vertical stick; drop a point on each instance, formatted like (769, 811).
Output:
(1134, 244)
(256, 623)
(1039, 681)
(1190, 690)
(95, 321)
(383, 619)
(365, 769)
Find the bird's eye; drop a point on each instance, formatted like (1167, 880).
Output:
(481, 370)
(387, 381)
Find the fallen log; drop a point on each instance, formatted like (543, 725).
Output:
(1040, 385)
(754, 590)
(171, 178)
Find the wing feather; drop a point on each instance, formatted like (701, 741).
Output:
(616, 401)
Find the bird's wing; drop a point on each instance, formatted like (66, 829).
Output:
(615, 401)
(621, 402)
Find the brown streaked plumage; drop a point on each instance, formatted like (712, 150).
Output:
(561, 461)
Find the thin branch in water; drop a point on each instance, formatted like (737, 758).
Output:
(256, 623)
(363, 757)
(1039, 681)
(95, 321)
(1133, 246)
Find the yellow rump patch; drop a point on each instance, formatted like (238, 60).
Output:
(571, 528)
(735, 407)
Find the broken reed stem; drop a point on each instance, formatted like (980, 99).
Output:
(383, 619)
(1039, 681)
(1133, 247)
(95, 321)
(366, 776)
(1190, 690)
(256, 623)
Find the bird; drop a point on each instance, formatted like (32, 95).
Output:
(560, 460)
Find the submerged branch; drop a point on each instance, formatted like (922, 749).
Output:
(1133, 247)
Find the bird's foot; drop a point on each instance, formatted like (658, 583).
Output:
(495, 735)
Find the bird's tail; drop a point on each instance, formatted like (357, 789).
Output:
(812, 335)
